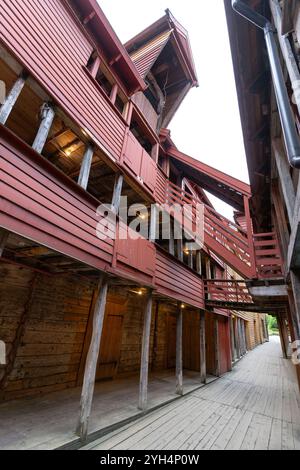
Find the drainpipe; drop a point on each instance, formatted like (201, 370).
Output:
(291, 137)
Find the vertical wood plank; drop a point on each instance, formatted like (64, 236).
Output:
(4, 234)
(217, 347)
(144, 372)
(179, 371)
(91, 361)
(116, 199)
(233, 349)
(198, 262)
(153, 223)
(47, 117)
(12, 98)
(85, 168)
(202, 348)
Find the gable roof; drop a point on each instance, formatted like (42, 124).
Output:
(145, 48)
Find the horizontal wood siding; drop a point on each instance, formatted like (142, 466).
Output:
(177, 281)
(49, 208)
(47, 40)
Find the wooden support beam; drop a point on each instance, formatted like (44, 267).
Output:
(116, 199)
(237, 338)
(114, 93)
(285, 178)
(179, 371)
(217, 349)
(233, 349)
(153, 235)
(202, 348)
(283, 337)
(191, 259)
(85, 168)
(12, 97)
(171, 240)
(47, 116)
(144, 372)
(198, 262)
(179, 244)
(91, 361)
(4, 234)
(250, 236)
(295, 307)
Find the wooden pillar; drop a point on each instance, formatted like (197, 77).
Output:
(266, 329)
(285, 178)
(217, 348)
(143, 395)
(198, 262)
(171, 240)
(4, 234)
(295, 284)
(114, 93)
(250, 235)
(153, 223)
(233, 350)
(190, 259)
(283, 342)
(91, 361)
(85, 168)
(202, 348)
(179, 371)
(179, 249)
(237, 337)
(117, 192)
(47, 117)
(12, 97)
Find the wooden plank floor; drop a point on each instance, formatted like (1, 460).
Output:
(256, 406)
(49, 422)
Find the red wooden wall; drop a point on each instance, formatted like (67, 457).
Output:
(224, 345)
(45, 37)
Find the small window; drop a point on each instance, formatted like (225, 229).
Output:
(104, 82)
(119, 104)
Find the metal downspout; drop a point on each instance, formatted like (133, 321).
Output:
(291, 137)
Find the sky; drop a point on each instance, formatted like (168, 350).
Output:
(207, 125)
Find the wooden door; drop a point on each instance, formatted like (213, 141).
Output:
(224, 345)
(110, 347)
(210, 343)
(191, 341)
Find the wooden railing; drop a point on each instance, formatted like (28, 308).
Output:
(267, 256)
(219, 290)
(256, 256)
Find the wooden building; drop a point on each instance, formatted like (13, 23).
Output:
(84, 122)
(265, 44)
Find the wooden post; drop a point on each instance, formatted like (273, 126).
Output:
(237, 337)
(91, 361)
(179, 249)
(179, 372)
(198, 262)
(190, 259)
(85, 168)
(285, 178)
(145, 354)
(4, 234)
(202, 348)
(217, 350)
(233, 350)
(12, 97)
(171, 240)
(116, 199)
(153, 223)
(47, 117)
(283, 343)
(114, 93)
(250, 236)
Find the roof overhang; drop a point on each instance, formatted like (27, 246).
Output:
(219, 184)
(95, 21)
(253, 83)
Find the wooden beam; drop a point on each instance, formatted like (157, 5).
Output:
(283, 336)
(117, 192)
(171, 240)
(153, 223)
(4, 234)
(91, 361)
(250, 236)
(179, 244)
(198, 262)
(47, 116)
(144, 372)
(12, 97)
(179, 371)
(233, 349)
(285, 179)
(202, 348)
(217, 349)
(85, 168)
